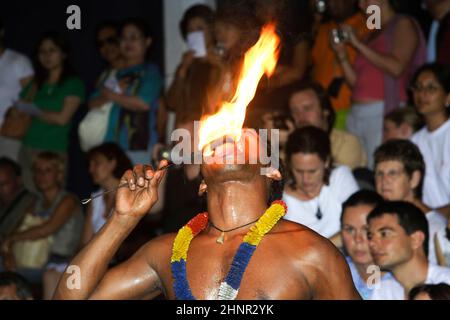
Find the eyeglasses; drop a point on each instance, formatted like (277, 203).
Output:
(430, 89)
(391, 174)
(107, 41)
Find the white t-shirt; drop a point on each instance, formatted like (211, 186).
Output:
(394, 291)
(436, 222)
(435, 149)
(328, 204)
(13, 68)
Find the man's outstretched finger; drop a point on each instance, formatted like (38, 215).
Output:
(139, 174)
(128, 178)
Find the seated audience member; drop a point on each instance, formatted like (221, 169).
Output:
(431, 92)
(14, 198)
(107, 163)
(55, 94)
(50, 231)
(355, 244)
(309, 105)
(16, 72)
(439, 36)
(317, 189)
(14, 287)
(401, 123)
(440, 291)
(398, 241)
(399, 172)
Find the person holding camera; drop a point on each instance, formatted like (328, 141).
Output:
(380, 74)
(326, 68)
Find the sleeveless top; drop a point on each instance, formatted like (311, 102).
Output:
(373, 83)
(67, 238)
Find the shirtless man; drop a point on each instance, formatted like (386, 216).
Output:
(291, 262)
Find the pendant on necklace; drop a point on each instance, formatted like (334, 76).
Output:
(221, 239)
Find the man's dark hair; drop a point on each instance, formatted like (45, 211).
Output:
(439, 291)
(9, 164)
(23, 289)
(361, 197)
(112, 151)
(310, 140)
(196, 11)
(408, 154)
(2, 26)
(410, 218)
(322, 96)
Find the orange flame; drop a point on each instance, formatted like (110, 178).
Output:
(228, 121)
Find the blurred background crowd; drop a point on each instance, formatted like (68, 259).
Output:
(363, 116)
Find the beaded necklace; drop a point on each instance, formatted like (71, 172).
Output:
(229, 288)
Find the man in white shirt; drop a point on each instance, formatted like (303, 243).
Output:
(398, 241)
(399, 172)
(15, 72)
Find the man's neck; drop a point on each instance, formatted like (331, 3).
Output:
(2, 50)
(234, 204)
(412, 273)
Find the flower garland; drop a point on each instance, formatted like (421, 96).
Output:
(229, 288)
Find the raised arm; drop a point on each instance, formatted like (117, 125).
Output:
(133, 278)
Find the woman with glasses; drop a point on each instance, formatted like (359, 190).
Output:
(92, 129)
(134, 92)
(431, 94)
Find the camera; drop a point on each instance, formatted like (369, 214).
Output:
(321, 6)
(339, 35)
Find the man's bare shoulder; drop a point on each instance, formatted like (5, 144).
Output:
(306, 244)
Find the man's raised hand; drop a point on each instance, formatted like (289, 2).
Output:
(141, 193)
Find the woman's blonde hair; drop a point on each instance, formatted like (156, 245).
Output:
(57, 161)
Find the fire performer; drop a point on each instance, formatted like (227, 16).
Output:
(240, 249)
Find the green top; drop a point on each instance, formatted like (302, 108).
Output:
(50, 97)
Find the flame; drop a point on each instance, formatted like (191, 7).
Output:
(228, 121)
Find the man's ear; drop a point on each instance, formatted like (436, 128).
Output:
(417, 239)
(273, 174)
(415, 179)
(202, 188)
